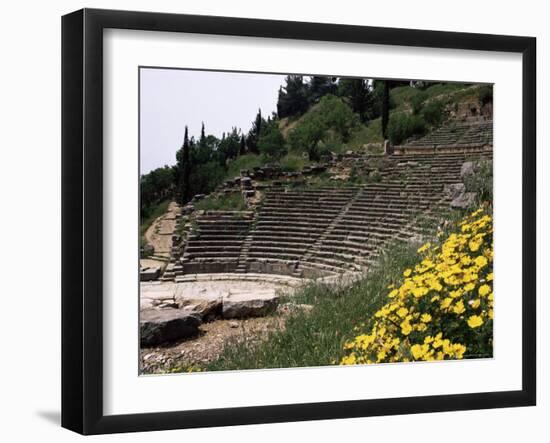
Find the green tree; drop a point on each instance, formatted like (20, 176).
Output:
(320, 86)
(272, 142)
(230, 146)
(358, 94)
(385, 108)
(254, 133)
(332, 118)
(242, 150)
(293, 97)
(184, 169)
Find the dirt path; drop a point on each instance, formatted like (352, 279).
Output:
(159, 235)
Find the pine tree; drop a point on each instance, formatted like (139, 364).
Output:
(357, 91)
(386, 109)
(184, 169)
(320, 86)
(293, 98)
(254, 133)
(203, 135)
(242, 150)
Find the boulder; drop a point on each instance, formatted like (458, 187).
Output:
(207, 310)
(464, 200)
(149, 273)
(158, 326)
(246, 306)
(467, 169)
(454, 190)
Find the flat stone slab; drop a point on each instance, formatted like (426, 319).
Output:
(249, 305)
(207, 298)
(158, 326)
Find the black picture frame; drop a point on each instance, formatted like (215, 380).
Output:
(82, 215)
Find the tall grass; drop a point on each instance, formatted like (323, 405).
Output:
(316, 338)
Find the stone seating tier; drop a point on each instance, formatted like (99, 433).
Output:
(327, 230)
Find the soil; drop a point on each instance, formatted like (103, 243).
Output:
(207, 346)
(159, 235)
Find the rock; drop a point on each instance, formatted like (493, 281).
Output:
(464, 200)
(246, 306)
(207, 310)
(246, 182)
(454, 190)
(233, 324)
(157, 326)
(150, 273)
(467, 169)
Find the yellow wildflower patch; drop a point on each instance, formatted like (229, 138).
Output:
(442, 309)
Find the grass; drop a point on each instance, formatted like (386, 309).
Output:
(229, 202)
(293, 162)
(370, 133)
(247, 161)
(147, 221)
(316, 338)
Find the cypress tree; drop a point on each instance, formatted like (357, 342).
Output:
(385, 109)
(242, 150)
(184, 170)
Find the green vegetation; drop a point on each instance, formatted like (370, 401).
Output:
(316, 116)
(331, 120)
(293, 162)
(403, 126)
(316, 338)
(481, 181)
(227, 202)
(247, 161)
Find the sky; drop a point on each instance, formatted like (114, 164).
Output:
(170, 99)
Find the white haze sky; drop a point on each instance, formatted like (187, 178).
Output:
(170, 99)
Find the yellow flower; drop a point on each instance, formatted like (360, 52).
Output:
(393, 293)
(459, 307)
(484, 290)
(424, 248)
(490, 276)
(446, 303)
(406, 327)
(418, 351)
(475, 321)
(407, 272)
(474, 245)
(419, 292)
(480, 261)
(402, 312)
(475, 303)
(426, 318)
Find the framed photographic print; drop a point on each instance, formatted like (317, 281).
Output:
(269, 221)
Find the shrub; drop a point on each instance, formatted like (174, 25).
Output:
(433, 112)
(485, 94)
(442, 309)
(293, 162)
(417, 101)
(402, 126)
(271, 142)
